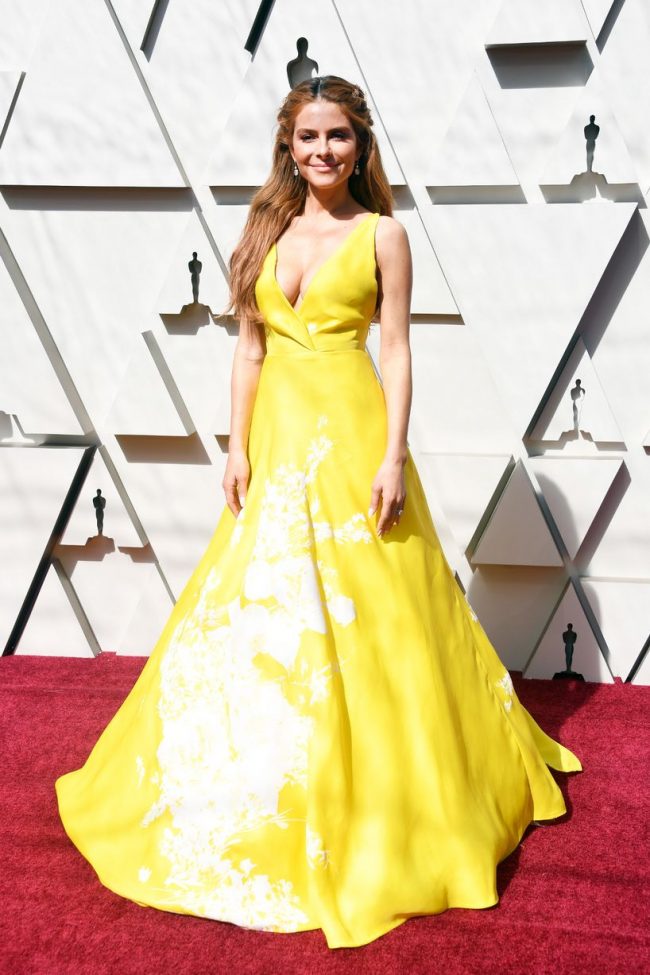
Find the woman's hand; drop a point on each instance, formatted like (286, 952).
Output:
(389, 486)
(235, 480)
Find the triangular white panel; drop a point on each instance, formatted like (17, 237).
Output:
(530, 120)
(472, 152)
(624, 550)
(574, 489)
(549, 655)
(596, 11)
(456, 404)
(33, 484)
(626, 73)
(253, 117)
(577, 410)
(611, 158)
(465, 484)
(410, 58)
(516, 533)
(134, 17)
(21, 26)
(622, 355)
(194, 65)
(83, 118)
(513, 605)
(53, 629)
(29, 386)
(522, 277)
(227, 223)
(95, 267)
(9, 81)
(149, 617)
(143, 406)
(220, 423)
(109, 588)
(179, 505)
(201, 364)
(621, 609)
(177, 289)
(531, 22)
(431, 294)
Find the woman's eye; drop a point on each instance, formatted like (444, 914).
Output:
(305, 137)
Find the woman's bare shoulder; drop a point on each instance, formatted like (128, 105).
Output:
(391, 238)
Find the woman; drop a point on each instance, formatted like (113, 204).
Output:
(323, 736)
(309, 200)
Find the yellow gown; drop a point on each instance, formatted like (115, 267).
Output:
(323, 735)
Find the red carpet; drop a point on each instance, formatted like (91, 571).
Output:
(574, 895)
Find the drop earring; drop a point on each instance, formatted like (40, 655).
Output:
(295, 168)
(356, 168)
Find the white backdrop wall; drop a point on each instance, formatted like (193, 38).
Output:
(133, 133)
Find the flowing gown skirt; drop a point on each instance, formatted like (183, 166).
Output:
(323, 735)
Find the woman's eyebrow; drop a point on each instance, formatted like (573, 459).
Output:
(334, 128)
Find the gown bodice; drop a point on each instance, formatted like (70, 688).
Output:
(338, 304)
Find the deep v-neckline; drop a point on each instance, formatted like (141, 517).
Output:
(328, 260)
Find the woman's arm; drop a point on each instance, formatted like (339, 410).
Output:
(396, 279)
(247, 364)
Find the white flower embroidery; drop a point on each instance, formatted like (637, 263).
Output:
(143, 874)
(316, 453)
(506, 684)
(317, 680)
(317, 855)
(354, 529)
(322, 530)
(139, 765)
(231, 737)
(342, 609)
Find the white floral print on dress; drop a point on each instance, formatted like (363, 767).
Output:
(506, 684)
(317, 855)
(221, 770)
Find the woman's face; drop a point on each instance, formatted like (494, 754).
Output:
(324, 144)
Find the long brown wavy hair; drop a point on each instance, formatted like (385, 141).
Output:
(283, 195)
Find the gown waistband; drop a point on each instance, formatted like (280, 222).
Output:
(310, 353)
